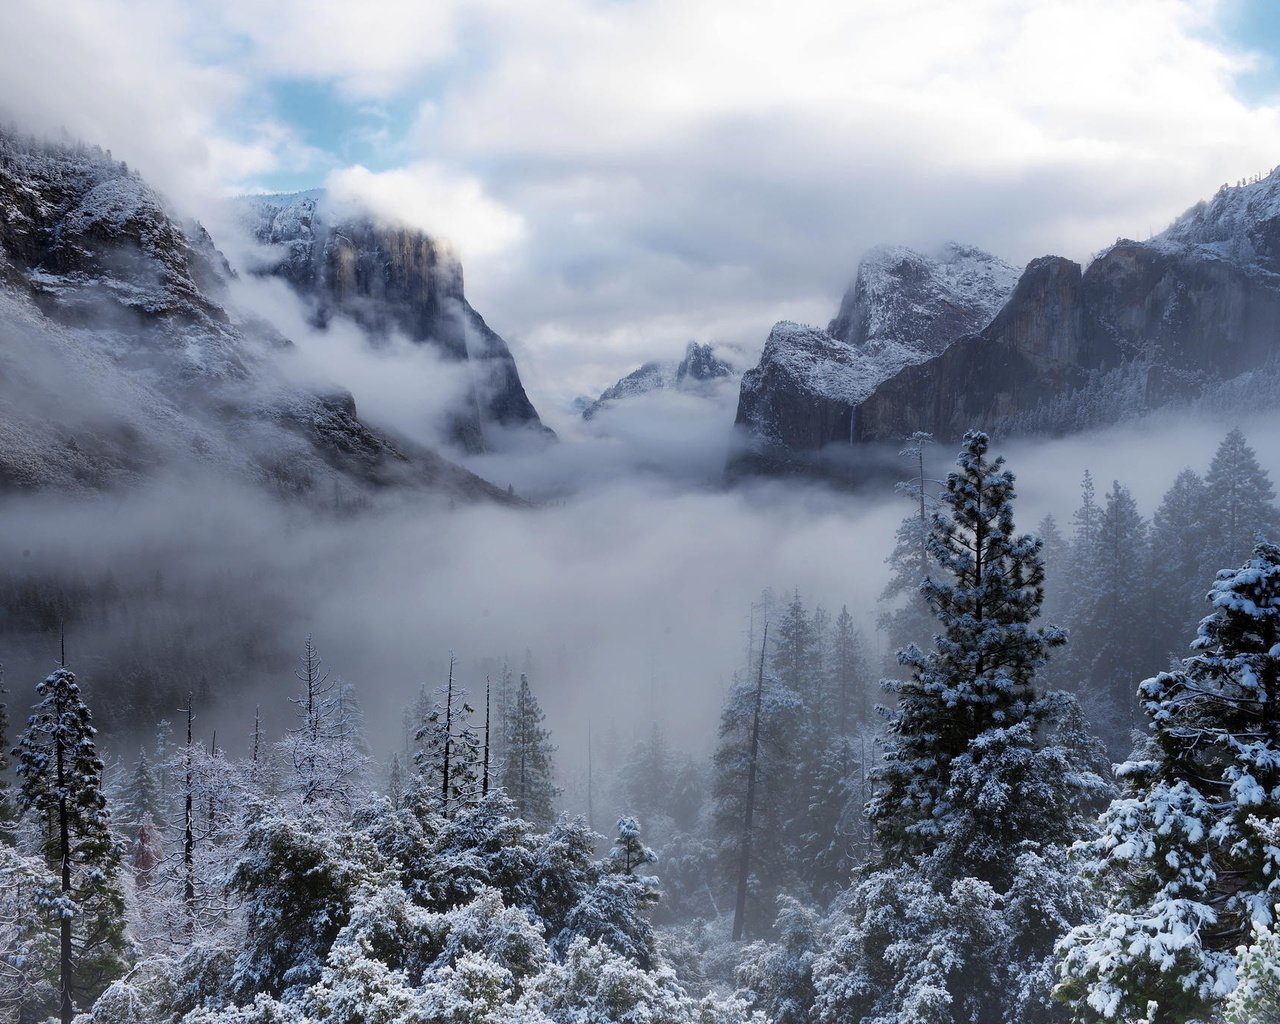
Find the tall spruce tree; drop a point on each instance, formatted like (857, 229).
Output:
(528, 774)
(1179, 539)
(60, 787)
(1186, 861)
(1240, 502)
(141, 795)
(956, 919)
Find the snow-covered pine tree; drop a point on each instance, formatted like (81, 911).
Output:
(1186, 861)
(957, 917)
(629, 852)
(324, 753)
(448, 753)
(60, 788)
(397, 782)
(1240, 502)
(528, 773)
(753, 771)
(8, 811)
(141, 794)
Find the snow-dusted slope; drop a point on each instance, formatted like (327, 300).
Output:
(902, 309)
(700, 367)
(1241, 223)
(388, 277)
(921, 303)
(119, 359)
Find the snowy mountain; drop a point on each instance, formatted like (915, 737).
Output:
(904, 298)
(699, 368)
(902, 309)
(1176, 318)
(392, 278)
(121, 356)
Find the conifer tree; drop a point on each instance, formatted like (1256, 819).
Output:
(528, 774)
(972, 802)
(8, 812)
(847, 676)
(1186, 861)
(1240, 502)
(1179, 539)
(628, 852)
(141, 797)
(448, 754)
(60, 786)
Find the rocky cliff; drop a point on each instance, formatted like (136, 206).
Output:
(392, 278)
(1144, 324)
(701, 367)
(119, 357)
(902, 309)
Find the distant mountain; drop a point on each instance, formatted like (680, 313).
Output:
(1182, 317)
(700, 367)
(902, 309)
(388, 277)
(120, 355)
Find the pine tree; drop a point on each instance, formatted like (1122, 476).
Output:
(956, 919)
(60, 786)
(528, 772)
(1115, 617)
(628, 852)
(1240, 502)
(324, 753)
(448, 754)
(1179, 538)
(8, 812)
(141, 798)
(753, 771)
(847, 676)
(1186, 861)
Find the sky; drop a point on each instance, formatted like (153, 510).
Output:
(623, 176)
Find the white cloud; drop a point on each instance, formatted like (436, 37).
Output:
(666, 169)
(430, 197)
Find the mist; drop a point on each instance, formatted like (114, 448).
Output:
(627, 597)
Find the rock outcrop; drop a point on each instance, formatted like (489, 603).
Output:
(392, 278)
(700, 368)
(119, 357)
(902, 309)
(1146, 323)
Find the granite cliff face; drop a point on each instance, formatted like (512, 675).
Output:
(390, 278)
(902, 309)
(1146, 323)
(120, 358)
(700, 368)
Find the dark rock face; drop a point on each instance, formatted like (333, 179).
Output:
(389, 278)
(117, 356)
(902, 309)
(1145, 324)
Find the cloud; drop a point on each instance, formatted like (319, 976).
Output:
(429, 197)
(623, 177)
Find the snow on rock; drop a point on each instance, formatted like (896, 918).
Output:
(901, 297)
(1240, 224)
(903, 308)
(700, 367)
